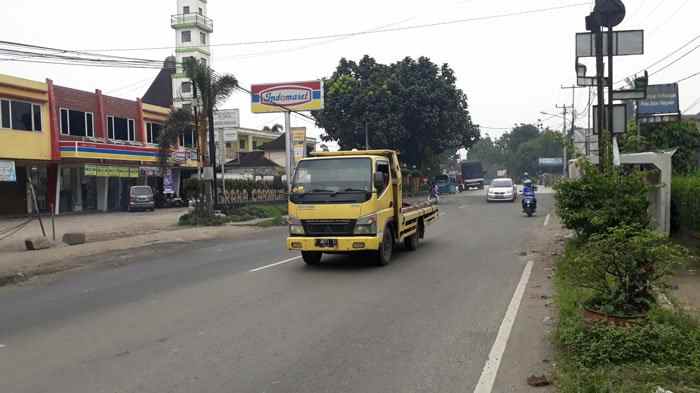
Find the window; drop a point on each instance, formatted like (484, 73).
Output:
(255, 145)
(186, 9)
(187, 107)
(203, 38)
(201, 11)
(121, 128)
(204, 62)
(186, 36)
(241, 144)
(20, 115)
(77, 123)
(383, 167)
(153, 132)
(188, 140)
(186, 87)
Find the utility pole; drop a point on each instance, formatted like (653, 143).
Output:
(565, 138)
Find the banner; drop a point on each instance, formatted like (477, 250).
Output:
(111, 171)
(283, 97)
(8, 172)
(299, 142)
(168, 187)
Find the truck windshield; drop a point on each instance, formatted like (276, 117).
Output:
(335, 180)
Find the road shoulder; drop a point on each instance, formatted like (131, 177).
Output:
(530, 351)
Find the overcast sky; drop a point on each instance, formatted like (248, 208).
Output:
(511, 68)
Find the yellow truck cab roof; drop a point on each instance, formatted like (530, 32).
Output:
(355, 153)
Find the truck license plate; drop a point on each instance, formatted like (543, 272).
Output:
(326, 243)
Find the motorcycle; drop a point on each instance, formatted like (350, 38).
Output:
(434, 196)
(529, 206)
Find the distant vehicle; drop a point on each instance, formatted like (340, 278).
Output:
(446, 184)
(473, 174)
(502, 189)
(501, 173)
(141, 198)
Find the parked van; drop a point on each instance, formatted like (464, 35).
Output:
(141, 198)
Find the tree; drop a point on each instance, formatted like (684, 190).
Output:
(276, 128)
(682, 135)
(179, 122)
(412, 106)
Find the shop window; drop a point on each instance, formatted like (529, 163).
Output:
(77, 123)
(153, 131)
(20, 115)
(120, 128)
(188, 140)
(187, 36)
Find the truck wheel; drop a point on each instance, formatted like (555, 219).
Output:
(311, 258)
(412, 242)
(386, 249)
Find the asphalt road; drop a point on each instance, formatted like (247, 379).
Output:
(202, 318)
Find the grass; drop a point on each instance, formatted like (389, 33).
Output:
(662, 350)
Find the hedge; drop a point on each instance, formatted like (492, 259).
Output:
(685, 203)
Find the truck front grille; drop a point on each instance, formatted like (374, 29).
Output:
(329, 227)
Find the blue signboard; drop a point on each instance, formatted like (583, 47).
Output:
(661, 99)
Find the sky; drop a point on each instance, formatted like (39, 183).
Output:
(511, 68)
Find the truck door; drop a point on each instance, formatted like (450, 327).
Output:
(384, 196)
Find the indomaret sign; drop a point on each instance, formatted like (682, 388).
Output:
(284, 97)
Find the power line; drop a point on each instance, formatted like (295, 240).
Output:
(661, 59)
(696, 102)
(675, 61)
(688, 77)
(366, 32)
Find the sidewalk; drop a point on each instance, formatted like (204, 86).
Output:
(97, 226)
(106, 233)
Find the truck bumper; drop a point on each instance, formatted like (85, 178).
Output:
(343, 244)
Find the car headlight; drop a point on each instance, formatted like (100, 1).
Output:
(366, 225)
(295, 226)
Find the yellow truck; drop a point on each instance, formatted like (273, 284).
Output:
(350, 202)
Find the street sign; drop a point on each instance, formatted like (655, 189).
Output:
(8, 172)
(625, 95)
(661, 100)
(299, 142)
(619, 118)
(551, 162)
(285, 97)
(625, 43)
(227, 118)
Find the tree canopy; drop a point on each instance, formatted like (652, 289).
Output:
(682, 135)
(412, 106)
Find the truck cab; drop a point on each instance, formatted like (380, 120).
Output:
(351, 202)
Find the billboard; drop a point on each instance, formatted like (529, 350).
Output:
(284, 97)
(619, 118)
(625, 43)
(299, 142)
(227, 118)
(661, 99)
(8, 172)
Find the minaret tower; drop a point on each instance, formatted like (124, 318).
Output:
(192, 33)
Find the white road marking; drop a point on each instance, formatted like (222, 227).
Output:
(488, 374)
(546, 220)
(274, 264)
(2, 346)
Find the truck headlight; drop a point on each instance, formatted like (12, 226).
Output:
(295, 226)
(366, 225)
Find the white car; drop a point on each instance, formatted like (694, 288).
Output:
(502, 189)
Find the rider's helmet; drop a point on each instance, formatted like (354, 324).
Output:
(527, 182)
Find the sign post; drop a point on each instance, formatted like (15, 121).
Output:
(287, 98)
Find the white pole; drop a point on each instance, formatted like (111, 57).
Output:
(289, 148)
(222, 158)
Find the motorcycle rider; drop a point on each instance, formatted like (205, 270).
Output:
(528, 192)
(435, 192)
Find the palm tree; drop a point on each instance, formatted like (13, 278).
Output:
(179, 122)
(276, 128)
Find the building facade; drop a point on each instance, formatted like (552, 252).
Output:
(27, 145)
(80, 150)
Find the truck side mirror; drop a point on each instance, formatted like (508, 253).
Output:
(379, 180)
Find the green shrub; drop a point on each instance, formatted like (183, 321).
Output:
(621, 267)
(194, 219)
(661, 350)
(685, 202)
(596, 202)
